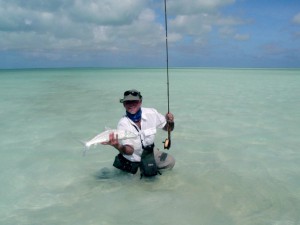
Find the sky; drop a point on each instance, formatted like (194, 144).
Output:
(131, 33)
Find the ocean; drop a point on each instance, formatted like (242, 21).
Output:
(236, 144)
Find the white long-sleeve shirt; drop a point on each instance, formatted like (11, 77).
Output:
(150, 121)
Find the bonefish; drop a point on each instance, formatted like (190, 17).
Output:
(104, 137)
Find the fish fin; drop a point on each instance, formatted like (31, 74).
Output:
(85, 147)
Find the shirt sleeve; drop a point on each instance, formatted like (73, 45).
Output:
(160, 119)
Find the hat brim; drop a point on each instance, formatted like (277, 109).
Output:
(130, 98)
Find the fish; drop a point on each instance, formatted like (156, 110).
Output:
(104, 137)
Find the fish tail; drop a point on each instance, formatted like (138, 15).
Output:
(85, 148)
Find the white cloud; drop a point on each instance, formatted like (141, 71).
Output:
(242, 37)
(108, 24)
(143, 31)
(147, 15)
(106, 12)
(226, 31)
(192, 25)
(228, 21)
(296, 18)
(201, 25)
(195, 6)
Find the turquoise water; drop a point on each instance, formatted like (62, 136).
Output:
(236, 145)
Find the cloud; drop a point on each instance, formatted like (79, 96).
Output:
(196, 19)
(296, 18)
(109, 24)
(195, 6)
(99, 27)
(141, 32)
(192, 25)
(242, 37)
(67, 24)
(106, 12)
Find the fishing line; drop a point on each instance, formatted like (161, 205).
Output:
(167, 142)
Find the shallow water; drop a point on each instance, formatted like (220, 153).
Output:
(236, 145)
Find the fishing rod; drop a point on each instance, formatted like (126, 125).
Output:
(167, 142)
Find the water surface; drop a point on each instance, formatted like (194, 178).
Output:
(236, 144)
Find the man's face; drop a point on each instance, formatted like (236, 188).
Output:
(132, 106)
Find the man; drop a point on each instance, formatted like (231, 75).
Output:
(143, 122)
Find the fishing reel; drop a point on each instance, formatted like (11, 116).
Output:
(167, 143)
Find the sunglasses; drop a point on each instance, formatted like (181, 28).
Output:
(132, 102)
(133, 93)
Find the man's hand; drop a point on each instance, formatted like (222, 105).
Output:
(170, 117)
(113, 140)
